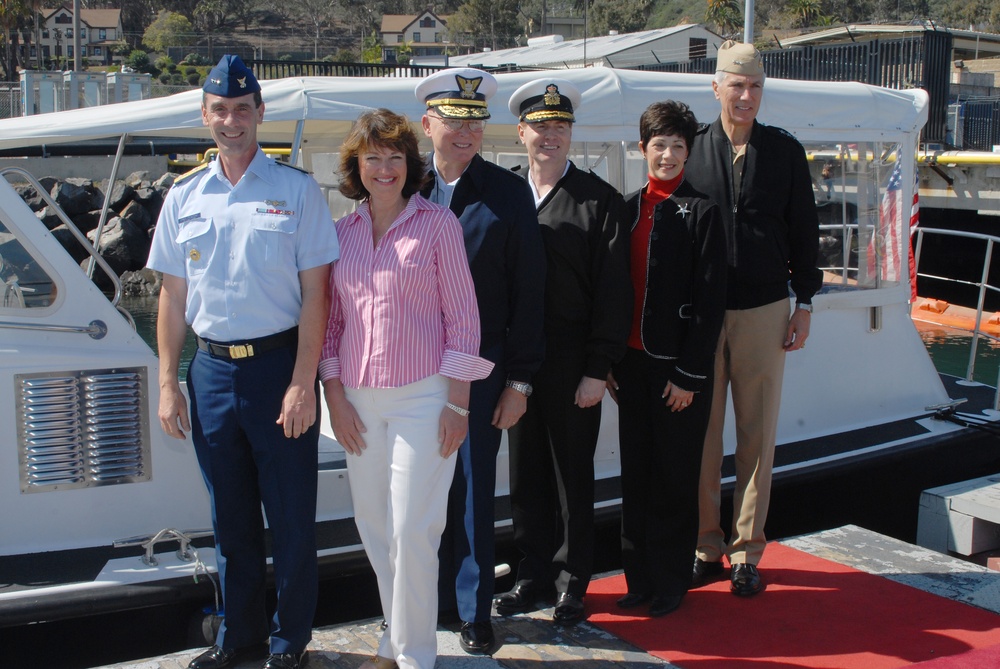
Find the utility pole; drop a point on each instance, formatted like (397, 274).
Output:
(748, 21)
(76, 36)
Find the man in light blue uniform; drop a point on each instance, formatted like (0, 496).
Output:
(245, 246)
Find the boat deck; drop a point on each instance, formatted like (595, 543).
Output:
(530, 639)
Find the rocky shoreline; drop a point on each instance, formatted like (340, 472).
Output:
(133, 207)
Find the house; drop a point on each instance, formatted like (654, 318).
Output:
(423, 34)
(100, 30)
(677, 44)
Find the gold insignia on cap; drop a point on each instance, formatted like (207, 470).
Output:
(242, 82)
(194, 255)
(468, 87)
(552, 95)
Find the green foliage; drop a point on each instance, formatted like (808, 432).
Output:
(371, 49)
(164, 77)
(344, 56)
(486, 23)
(138, 61)
(169, 29)
(165, 63)
(194, 78)
(625, 16)
(194, 59)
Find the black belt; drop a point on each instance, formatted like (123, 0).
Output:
(250, 347)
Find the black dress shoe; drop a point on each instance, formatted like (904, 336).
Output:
(705, 571)
(215, 658)
(745, 580)
(520, 599)
(569, 609)
(630, 600)
(286, 660)
(664, 604)
(477, 638)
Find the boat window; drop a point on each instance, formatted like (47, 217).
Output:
(23, 282)
(866, 210)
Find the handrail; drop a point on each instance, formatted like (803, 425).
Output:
(96, 329)
(983, 285)
(80, 237)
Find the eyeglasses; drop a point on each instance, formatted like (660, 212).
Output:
(454, 124)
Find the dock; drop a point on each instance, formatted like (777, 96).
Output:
(531, 640)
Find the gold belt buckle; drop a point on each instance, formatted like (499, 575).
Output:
(238, 351)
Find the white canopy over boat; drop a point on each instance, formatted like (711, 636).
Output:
(612, 103)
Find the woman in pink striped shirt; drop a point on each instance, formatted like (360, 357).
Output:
(401, 348)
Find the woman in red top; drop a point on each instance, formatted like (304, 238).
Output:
(664, 384)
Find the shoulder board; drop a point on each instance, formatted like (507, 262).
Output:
(191, 173)
(516, 168)
(702, 127)
(294, 167)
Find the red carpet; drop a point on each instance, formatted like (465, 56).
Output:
(814, 613)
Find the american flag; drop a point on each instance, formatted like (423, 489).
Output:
(887, 242)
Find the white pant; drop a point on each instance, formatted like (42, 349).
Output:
(399, 486)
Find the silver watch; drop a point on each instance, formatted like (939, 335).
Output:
(520, 386)
(804, 306)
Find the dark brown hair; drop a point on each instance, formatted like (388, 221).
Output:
(668, 118)
(385, 129)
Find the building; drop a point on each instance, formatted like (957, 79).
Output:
(677, 44)
(423, 34)
(100, 30)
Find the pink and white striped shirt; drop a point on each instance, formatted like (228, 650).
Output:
(406, 308)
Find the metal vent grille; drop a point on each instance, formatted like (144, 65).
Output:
(83, 428)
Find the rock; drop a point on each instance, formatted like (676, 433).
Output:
(136, 179)
(124, 246)
(72, 198)
(69, 242)
(138, 215)
(120, 194)
(141, 282)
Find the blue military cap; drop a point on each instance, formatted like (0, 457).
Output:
(231, 78)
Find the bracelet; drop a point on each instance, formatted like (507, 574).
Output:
(457, 409)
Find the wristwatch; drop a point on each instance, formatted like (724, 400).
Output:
(520, 386)
(804, 306)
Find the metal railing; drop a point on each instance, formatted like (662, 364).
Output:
(981, 285)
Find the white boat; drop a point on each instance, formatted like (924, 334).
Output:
(94, 496)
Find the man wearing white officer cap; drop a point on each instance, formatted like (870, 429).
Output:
(588, 308)
(504, 247)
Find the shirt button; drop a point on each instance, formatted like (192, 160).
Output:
(652, 262)
(654, 236)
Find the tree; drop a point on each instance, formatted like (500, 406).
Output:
(371, 49)
(136, 16)
(12, 12)
(319, 13)
(169, 29)
(726, 16)
(491, 23)
(625, 16)
(805, 11)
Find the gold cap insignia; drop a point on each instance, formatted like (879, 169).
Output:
(242, 82)
(552, 95)
(467, 86)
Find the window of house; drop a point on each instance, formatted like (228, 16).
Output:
(102, 34)
(438, 37)
(97, 51)
(697, 47)
(64, 18)
(69, 33)
(399, 39)
(416, 36)
(45, 34)
(69, 50)
(428, 22)
(83, 52)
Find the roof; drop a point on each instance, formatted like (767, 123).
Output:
(93, 18)
(570, 53)
(967, 43)
(397, 23)
(613, 100)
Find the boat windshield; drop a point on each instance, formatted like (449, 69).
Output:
(23, 282)
(867, 211)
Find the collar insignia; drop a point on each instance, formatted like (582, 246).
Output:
(683, 210)
(217, 82)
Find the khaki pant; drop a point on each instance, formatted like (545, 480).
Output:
(749, 360)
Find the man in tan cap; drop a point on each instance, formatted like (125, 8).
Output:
(759, 177)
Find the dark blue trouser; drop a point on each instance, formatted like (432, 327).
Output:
(468, 552)
(246, 461)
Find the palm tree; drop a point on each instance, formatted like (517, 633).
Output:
(805, 10)
(726, 15)
(11, 13)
